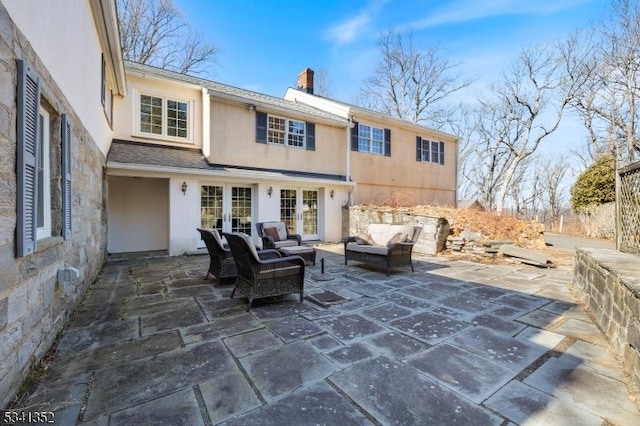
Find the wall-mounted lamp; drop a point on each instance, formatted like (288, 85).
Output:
(184, 188)
(331, 194)
(252, 107)
(270, 191)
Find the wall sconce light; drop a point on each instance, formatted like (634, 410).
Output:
(184, 188)
(331, 193)
(270, 191)
(252, 107)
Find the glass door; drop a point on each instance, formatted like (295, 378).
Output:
(299, 211)
(226, 208)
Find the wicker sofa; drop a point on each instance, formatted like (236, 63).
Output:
(384, 245)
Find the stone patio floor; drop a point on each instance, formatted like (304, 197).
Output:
(456, 342)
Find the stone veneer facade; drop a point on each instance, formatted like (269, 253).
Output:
(34, 307)
(608, 282)
(432, 239)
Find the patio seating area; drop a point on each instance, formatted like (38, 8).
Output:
(455, 342)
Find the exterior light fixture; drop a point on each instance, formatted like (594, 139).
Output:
(270, 191)
(184, 188)
(331, 194)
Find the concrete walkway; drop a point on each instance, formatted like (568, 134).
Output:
(455, 342)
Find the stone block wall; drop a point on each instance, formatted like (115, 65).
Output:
(33, 305)
(433, 237)
(608, 282)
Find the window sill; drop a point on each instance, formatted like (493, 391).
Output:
(48, 242)
(163, 138)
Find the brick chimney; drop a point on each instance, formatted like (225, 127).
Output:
(305, 80)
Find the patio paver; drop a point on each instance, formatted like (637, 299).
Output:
(456, 342)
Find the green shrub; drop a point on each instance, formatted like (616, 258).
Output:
(596, 185)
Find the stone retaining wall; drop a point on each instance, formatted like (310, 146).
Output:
(609, 284)
(433, 237)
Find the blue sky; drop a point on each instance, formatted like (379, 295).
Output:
(265, 44)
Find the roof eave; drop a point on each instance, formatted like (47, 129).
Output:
(106, 19)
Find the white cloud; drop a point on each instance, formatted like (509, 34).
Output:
(470, 10)
(350, 30)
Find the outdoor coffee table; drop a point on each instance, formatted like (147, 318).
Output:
(307, 253)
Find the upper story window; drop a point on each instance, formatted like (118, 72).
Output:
(164, 117)
(374, 140)
(286, 131)
(429, 151)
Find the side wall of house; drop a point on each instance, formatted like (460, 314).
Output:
(401, 177)
(34, 306)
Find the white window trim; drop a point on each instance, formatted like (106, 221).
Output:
(286, 132)
(430, 157)
(370, 139)
(45, 142)
(164, 136)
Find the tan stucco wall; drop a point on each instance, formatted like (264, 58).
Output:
(402, 195)
(64, 36)
(233, 141)
(126, 110)
(378, 176)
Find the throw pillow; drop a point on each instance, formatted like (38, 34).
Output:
(272, 232)
(398, 238)
(364, 239)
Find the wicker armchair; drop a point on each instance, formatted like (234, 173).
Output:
(222, 264)
(264, 274)
(275, 235)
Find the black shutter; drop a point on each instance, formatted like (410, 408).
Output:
(311, 136)
(28, 138)
(441, 152)
(354, 136)
(261, 127)
(418, 148)
(65, 137)
(387, 142)
(103, 81)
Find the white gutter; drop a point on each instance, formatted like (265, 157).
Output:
(120, 169)
(206, 125)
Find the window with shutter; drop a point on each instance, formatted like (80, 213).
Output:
(429, 151)
(27, 135)
(375, 140)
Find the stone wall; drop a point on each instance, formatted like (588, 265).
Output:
(608, 282)
(433, 237)
(33, 305)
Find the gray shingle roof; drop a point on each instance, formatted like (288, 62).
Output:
(132, 153)
(236, 92)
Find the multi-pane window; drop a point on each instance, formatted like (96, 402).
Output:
(164, 117)
(430, 151)
(370, 139)
(285, 131)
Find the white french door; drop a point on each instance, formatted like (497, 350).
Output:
(227, 208)
(299, 211)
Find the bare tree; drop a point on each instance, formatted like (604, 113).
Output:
(322, 84)
(410, 83)
(154, 32)
(530, 100)
(555, 170)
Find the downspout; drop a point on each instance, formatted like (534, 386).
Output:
(206, 123)
(348, 173)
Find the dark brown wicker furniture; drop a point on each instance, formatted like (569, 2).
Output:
(383, 255)
(282, 237)
(262, 278)
(307, 253)
(222, 265)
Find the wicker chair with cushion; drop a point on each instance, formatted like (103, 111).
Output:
(264, 274)
(222, 264)
(275, 235)
(384, 245)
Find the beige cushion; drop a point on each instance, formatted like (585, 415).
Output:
(383, 232)
(280, 226)
(249, 240)
(368, 249)
(298, 250)
(364, 239)
(400, 237)
(285, 243)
